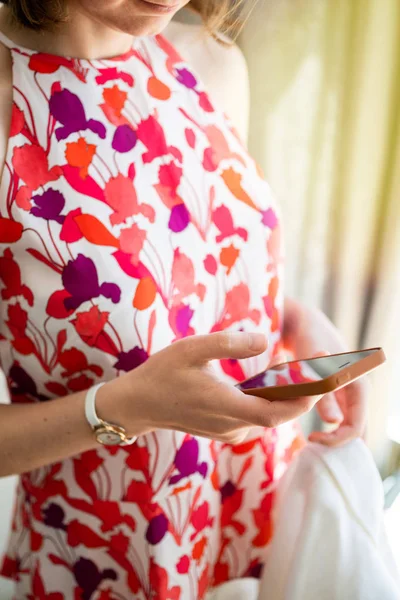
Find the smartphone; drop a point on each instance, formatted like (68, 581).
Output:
(313, 376)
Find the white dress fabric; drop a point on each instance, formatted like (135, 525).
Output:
(329, 541)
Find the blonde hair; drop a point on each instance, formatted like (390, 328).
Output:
(218, 16)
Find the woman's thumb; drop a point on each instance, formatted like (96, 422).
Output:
(225, 344)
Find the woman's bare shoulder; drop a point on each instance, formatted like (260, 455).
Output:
(5, 101)
(222, 68)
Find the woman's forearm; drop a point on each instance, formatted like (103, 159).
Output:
(41, 433)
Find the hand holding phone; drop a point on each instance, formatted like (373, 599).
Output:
(313, 376)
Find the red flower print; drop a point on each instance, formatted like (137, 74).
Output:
(170, 176)
(270, 304)
(160, 585)
(183, 565)
(10, 275)
(231, 504)
(183, 278)
(80, 383)
(80, 534)
(90, 324)
(80, 154)
(219, 149)
(210, 264)
(17, 121)
(190, 137)
(120, 195)
(31, 164)
(111, 74)
(74, 361)
(203, 583)
(232, 367)
(90, 327)
(263, 521)
(56, 305)
(48, 63)
(151, 134)
(70, 231)
(17, 323)
(201, 519)
(222, 219)
(10, 231)
(84, 467)
(131, 241)
(205, 103)
(237, 308)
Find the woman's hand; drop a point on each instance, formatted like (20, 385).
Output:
(178, 388)
(308, 332)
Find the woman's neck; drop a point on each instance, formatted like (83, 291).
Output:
(79, 37)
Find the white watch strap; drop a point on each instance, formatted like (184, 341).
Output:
(90, 406)
(91, 415)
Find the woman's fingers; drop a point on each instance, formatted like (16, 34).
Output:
(339, 437)
(329, 409)
(269, 413)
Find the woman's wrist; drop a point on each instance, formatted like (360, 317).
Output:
(120, 402)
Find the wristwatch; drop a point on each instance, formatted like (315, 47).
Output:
(107, 434)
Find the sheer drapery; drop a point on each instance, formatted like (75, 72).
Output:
(325, 128)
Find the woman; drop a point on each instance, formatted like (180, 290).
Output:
(138, 243)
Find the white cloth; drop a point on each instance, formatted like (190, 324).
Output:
(329, 541)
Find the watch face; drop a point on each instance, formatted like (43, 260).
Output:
(108, 438)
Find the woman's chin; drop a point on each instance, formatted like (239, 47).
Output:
(146, 26)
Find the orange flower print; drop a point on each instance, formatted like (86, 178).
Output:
(80, 154)
(114, 102)
(228, 257)
(115, 98)
(233, 181)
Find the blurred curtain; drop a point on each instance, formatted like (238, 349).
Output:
(325, 78)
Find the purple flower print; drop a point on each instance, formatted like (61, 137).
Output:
(269, 218)
(53, 516)
(179, 218)
(132, 359)
(68, 110)
(81, 281)
(227, 490)
(124, 139)
(183, 318)
(157, 529)
(22, 384)
(49, 206)
(187, 462)
(88, 577)
(257, 381)
(186, 78)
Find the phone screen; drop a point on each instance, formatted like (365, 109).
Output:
(303, 371)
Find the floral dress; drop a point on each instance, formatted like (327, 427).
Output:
(131, 216)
